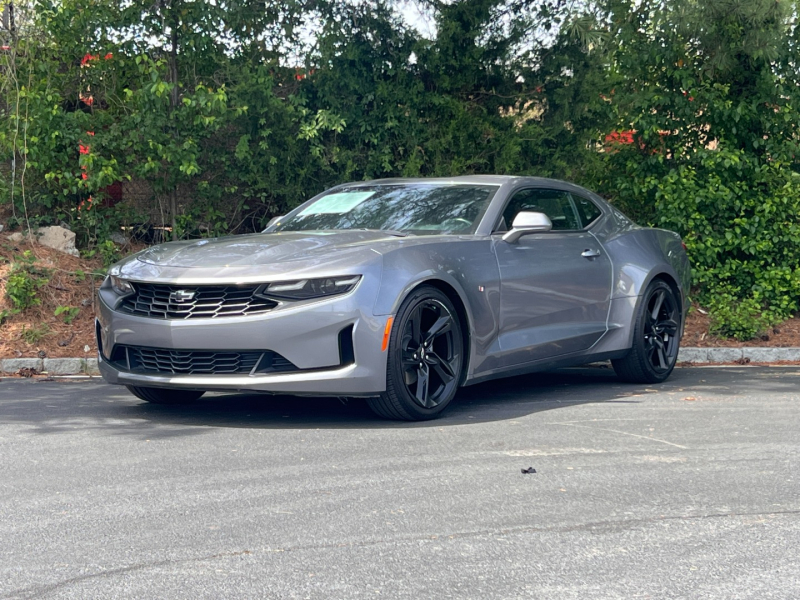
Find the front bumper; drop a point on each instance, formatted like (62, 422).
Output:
(307, 335)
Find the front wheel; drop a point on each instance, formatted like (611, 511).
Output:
(164, 396)
(655, 337)
(425, 358)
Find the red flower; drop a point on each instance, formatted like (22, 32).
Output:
(108, 56)
(83, 149)
(84, 176)
(90, 132)
(88, 58)
(620, 137)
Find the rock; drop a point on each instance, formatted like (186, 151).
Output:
(119, 238)
(1, 227)
(63, 366)
(14, 365)
(67, 341)
(86, 348)
(16, 237)
(58, 238)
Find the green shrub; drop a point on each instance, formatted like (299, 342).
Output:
(24, 281)
(740, 319)
(738, 216)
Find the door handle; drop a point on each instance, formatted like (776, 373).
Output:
(590, 253)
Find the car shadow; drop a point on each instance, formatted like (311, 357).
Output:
(51, 407)
(491, 401)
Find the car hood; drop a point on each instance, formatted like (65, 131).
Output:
(262, 249)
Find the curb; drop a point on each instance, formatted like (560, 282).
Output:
(50, 366)
(738, 355)
(697, 356)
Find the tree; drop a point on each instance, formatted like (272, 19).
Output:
(711, 92)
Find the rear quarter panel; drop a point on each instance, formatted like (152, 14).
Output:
(639, 255)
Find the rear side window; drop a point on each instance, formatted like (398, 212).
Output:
(587, 210)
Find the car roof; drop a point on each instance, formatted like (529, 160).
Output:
(468, 179)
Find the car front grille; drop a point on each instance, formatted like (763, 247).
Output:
(165, 361)
(194, 302)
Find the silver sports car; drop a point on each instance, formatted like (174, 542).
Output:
(400, 291)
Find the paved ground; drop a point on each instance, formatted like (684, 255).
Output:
(688, 491)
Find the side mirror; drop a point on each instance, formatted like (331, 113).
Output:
(526, 223)
(273, 221)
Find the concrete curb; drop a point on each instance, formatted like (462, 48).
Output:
(51, 366)
(740, 355)
(698, 356)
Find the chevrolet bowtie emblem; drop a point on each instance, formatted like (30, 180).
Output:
(179, 296)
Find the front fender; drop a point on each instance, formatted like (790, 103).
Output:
(468, 267)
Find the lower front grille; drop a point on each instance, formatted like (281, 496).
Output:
(166, 361)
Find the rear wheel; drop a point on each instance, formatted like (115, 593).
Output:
(655, 337)
(164, 396)
(425, 358)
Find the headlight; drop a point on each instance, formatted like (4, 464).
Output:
(121, 286)
(304, 289)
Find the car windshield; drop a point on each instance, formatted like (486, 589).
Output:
(409, 208)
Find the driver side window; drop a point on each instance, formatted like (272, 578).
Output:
(557, 205)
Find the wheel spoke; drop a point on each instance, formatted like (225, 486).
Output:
(441, 326)
(442, 368)
(409, 360)
(669, 326)
(657, 306)
(421, 393)
(662, 361)
(416, 326)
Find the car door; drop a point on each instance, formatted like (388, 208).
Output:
(555, 286)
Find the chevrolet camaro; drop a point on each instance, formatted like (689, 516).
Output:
(399, 291)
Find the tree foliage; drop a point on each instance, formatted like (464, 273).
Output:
(684, 113)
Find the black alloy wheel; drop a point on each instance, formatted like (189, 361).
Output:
(425, 358)
(655, 337)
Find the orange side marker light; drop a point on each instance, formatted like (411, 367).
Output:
(387, 331)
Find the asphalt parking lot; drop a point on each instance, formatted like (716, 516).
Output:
(686, 490)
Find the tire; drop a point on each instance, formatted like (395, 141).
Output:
(426, 356)
(164, 396)
(655, 337)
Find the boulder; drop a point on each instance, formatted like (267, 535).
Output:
(58, 238)
(16, 237)
(118, 238)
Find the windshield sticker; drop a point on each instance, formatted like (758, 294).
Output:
(336, 204)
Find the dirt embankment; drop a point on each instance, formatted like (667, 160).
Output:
(69, 285)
